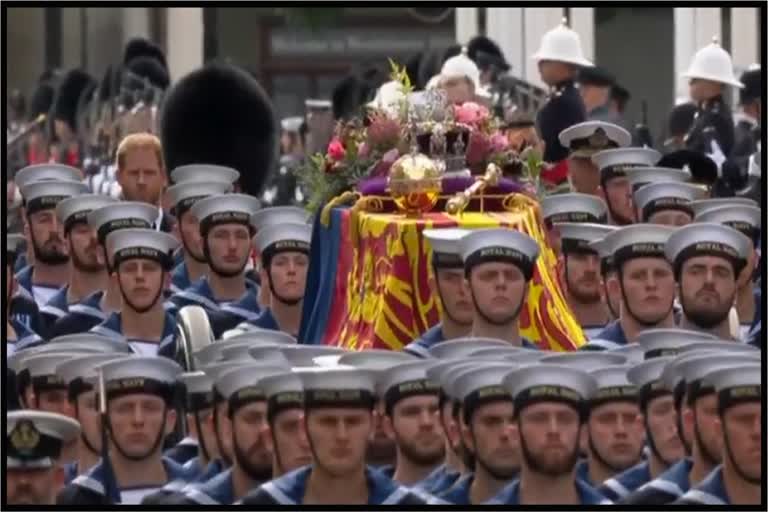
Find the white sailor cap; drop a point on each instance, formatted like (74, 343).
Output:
(668, 341)
(214, 352)
(288, 237)
(304, 355)
(405, 380)
(318, 104)
(140, 374)
(614, 163)
(646, 376)
(646, 175)
(500, 245)
(613, 385)
(707, 238)
(41, 368)
(33, 439)
(46, 172)
(636, 241)
(545, 383)
(12, 245)
(219, 368)
(76, 209)
(587, 361)
(737, 384)
(632, 351)
(224, 209)
(573, 207)
(511, 353)
(197, 388)
(262, 336)
(587, 138)
(666, 195)
(279, 215)
(263, 354)
(701, 205)
(441, 372)
(291, 124)
(719, 345)
(480, 385)
(692, 370)
(204, 172)
(598, 345)
(79, 372)
(334, 387)
(375, 359)
(46, 195)
(185, 194)
(121, 215)
(282, 391)
(239, 386)
(132, 243)
(446, 246)
(576, 237)
(744, 219)
(462, 347)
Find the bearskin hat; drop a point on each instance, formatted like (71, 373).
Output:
(753, 85)
(485, 52)
(149, 68)
(140, 47)
(220, 115)
(345, 97)
(41, 101)
(702, 168)
(72, 85)
(412, 69)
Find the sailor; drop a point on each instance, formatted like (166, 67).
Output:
(559, 58)
(194, 182)
(549, 404)
(226, 233)
(738, 481)
(48, 390)
(33, 441)
(667, 203)
(614, 185)
(50, 270)
(87, 269)
(488, 430)
(95, 308)
(140, 413)
(643, 279)
(747, 219)
(141, 261)
(579, 272)
(584, 140)
(570, 207)
(697, 419)
(498, 265)
(17, 333)
(658, 417)
(639, 177)
(78, 373)
(411, 414)
(447, 283)
(338, 420)
(595, 86)
(707, 259)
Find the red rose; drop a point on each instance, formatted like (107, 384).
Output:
(336, 150)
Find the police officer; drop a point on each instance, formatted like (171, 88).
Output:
(666, 203)
(585, 140)
(141, 260)
(579, 271)
(570, 207)
(33, 442)
(95, 308)
(338, 407)
(498, 265)
(707, 259)
(140, 413)
(549, 410)
(644, 280)
(87, 269)
(192, 183)
(614, 184)
(449, 286)
(738, 480)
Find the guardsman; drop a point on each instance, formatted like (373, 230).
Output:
(579, 272)
(338, 420)
(139, 393)
(498, 265)
(707, 259)
(549, 403)
(584, 140)
(644, 280)
(456, 312)
(696, 418)
(95, 308)
(50, 270)
(411, 415)
(666, 203)
(570, 207)
(226, 232)
(738, 481)
(141, 260)
(87, 268)
(16, 334)
(192, 183)
(747, 219)
(559, 58)
(33, 442)
(488, 431)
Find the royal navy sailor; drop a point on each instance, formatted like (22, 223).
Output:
(666, 203)
(17, 333)
(570, 207)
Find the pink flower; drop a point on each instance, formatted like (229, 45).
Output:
(499, 142)
(336, 150)
(362, 150)
(470, 113)
(382, 166)
(477, 149)
(383, 132)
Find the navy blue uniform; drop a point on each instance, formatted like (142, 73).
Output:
(167, 346)
(625, 482)
(669, 486)
(510, 495)
(711, 491)
(83, 316)
(564, 109)
(440, 480)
